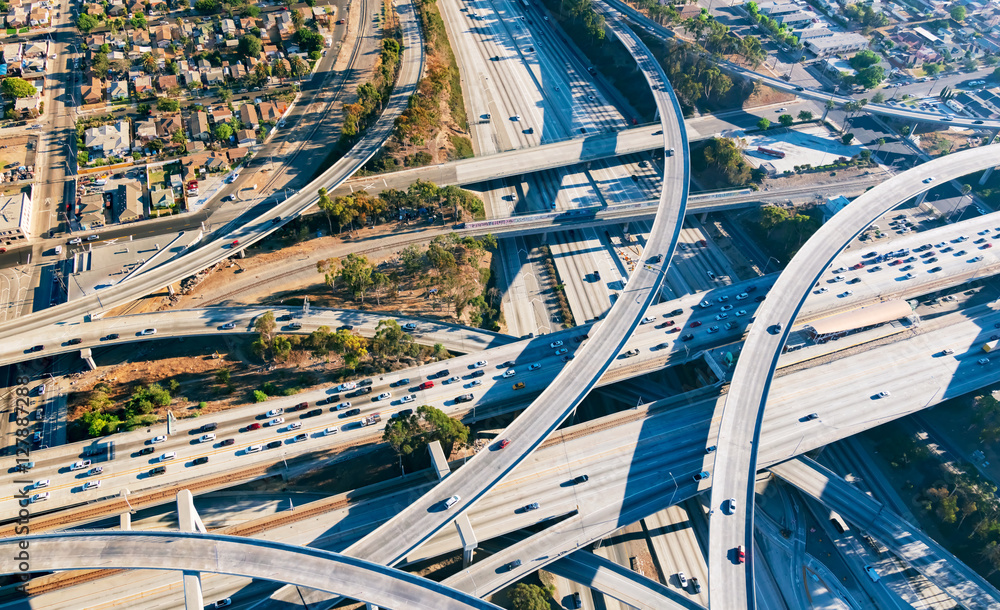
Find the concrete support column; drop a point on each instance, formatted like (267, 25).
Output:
(170, 290)
(989, 172)
(922, 197)
(242, 253)
(703, 218)
(87, 357)
(189, 521)
(465, 532)
(125, 519)
(913, 129)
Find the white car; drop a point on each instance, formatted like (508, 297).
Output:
(509, 373)
(79, 465)
(350, 385)
(40, 484)
(168, 456)
(648, 319)
(846, 293)
(147, 332)
(984, 361)
(91, 485)
(277, 421)
(223, 603)
(475, 382)
(40, 497)
(384, 396)
(480, 364)
(682, 579)
(840, 269)
(722, 316)
(157, 439)
(330, 430)
(731, 506)
(947, 351)
(254, 448)
(928, 180)
(408, 398)
(535, 366)
(884, 394)
(452, 379)
(739, 297)
(274, 412)
(295, 425)
(561, 351)
(840, 278)
(726, 307)
(452, 501)
(821, 290)
(344, 405)
(556, 344)
(207, 438)
(741, 312)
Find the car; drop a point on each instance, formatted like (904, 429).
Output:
(507, 364)
(330, 430)
(741, 555)
(300, 437)
(673, 313)
(731, 506)
(884, 394)
(111, 337)
(95, 470)
(509, 373)
(147, 332)
(696, 324)
(695, 585)
(682, 579)
(721, 316)
(511, 565)
(409, 326)
(726, 307)
(477, 374)
(518, 386)
(222, 603)
(531, 507)
(687, 337)
(40, 484)
(659, 346)
(199, 461)
(157, 439)
(253, 426)
(452, 501)
(40, 497)
(855, 280)
(741, 313)
(647, 320)
(169, 455)
(722, 299)
(295, 425)
(453, 379)
(227, 442)
(929, 180)
(713, 329)
(503, 443)
(228, 326)
(274, 412)
(207, 438)
(984, 361)
(811, 416)
(352, 412)
(561, 351)
(846, 293)
(556, 344)
(74, 241)
(701, 475)
(934, 270)
(254, 448)
(383, 396)
(947, 351)
(399, 382)
(839, 278)
(408, 398)
(481, 363)
(985, 247)
(516, 117)
(840, 269)
(79, 465)
(705, 304)
(277, 421)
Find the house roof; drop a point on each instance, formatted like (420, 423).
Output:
(108, 137)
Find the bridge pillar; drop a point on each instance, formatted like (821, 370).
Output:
(189, 521)
(242, 253)
(465, 532)
(989, 171)
(922, 197)
(703, 218)
(87, 357)
(913, 128)
(170, 289)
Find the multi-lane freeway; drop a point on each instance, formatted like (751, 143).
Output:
(731, 581)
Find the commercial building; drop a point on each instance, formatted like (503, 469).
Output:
(15, 216)
(838, 43)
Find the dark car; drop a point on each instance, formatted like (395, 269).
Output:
(440, 374)
(312, 413)
(37, 348)
(365, 382)
(274, 444)
(673, 313)
(147, 450)
(405, 413)
(76, 341)
(227, 442)
(352, 412)
(478, 373)
(298, 407)
(346, 327)
(202, 460)
(157, 471)
(687, 337)
(934, 270)
(514, 564)
(506, 365)
(464, 398)
(209, 427)
(760, 298)
(111, 337)
(581, 479)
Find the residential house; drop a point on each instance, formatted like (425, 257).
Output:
(192, 77)
(271, 51)
(12, 53)
(168, 124)
(38, 16)
(271, 111)
(248, 23)
(90, 210)
(118, 90)
(95, 42)
(198, 126)
(237, 71)
(25, 105)
(128, 203)
(161, 198)
(145, 131)
(248, 116)
(95, 10)
(213, 76)
(37, 81)
(235, 155)
(228, 27)
(163, 34)
(141, 37)
(92, 91)
(158, 5)
(35, 49)
(221, 115)
(17, 17)
(116, 9)
(203, 64)
(111, 140)
(166, 82)
(320, 15)
(246, 137)
(143, 85)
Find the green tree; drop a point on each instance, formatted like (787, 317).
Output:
(846, 138)
(352, 347)
(207, 6)
(297, 19)
(223, 132)
(763, 124)
(864, 58)
(266, 327)
(250, 46)
(878, 98)
(827, 107)
(871, 77)
(529, 597)
(326, 205)
(904, 130)
(805, 115)
(165, 104)
(356, 273)
(14, 87)
(149, 63)
(428, 424)
(931, 69)
(85, 23)
(391, 341)
(786, 120)
(222, 376)
(282, 347)
(958, 12)
(225, 94)
(138, 21)
(259, 396)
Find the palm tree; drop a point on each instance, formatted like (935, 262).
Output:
(830, 105)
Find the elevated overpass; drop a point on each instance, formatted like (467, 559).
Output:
(731, 582)
(907, 542)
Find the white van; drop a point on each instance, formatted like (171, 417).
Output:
(58, 250)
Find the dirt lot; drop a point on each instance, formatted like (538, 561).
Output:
(18, 150)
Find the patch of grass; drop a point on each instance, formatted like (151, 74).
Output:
(463, 146)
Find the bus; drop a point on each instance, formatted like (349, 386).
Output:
(771, 152)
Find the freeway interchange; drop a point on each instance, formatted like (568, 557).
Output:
(557, 372)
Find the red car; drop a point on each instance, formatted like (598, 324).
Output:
(235, 243)
(695, 324)
(740, 555)
(253, 427)
(858, 266)
(985, 246)
(504, 443)
(675, 329)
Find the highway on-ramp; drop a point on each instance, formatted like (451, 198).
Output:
(730, 582)
(198, 552)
